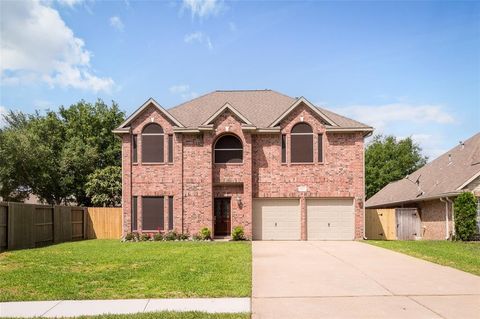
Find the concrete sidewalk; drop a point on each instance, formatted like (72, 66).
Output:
(74, 308)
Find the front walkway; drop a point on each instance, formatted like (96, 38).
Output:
(356, 280)
(73, 308)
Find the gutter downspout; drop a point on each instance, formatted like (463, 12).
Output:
(447, 230)
(453, 215)
(364, 196)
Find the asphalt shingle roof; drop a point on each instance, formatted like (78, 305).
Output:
(442, 176)
(261, 107)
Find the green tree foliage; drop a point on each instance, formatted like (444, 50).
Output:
(388, 159)
(52, 155)
(465, 210)
(104, 186)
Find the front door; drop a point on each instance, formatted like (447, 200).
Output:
(222, 216)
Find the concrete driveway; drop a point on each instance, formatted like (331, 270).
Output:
(356, 280)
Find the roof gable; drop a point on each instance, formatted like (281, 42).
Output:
(122, 128)
(225, 107)
(299, 102)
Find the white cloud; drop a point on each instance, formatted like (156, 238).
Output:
(70, 3)
(44, 49)
(199, 37)
(203, 8)
(117, 23)
(181, 88)
(184, 91)
(431, 144)
(382, 115)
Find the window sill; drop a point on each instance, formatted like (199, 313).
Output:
(156, 164)
(228, 164)
(297, 164)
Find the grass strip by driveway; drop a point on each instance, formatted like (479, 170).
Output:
(109, 269)
(172, 315)
(461, 255)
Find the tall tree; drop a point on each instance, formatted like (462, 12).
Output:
(52, 155)
(104, 186)
(388, 159)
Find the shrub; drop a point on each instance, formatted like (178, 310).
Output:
(134, 236)
(183, 236)
(238, 233)
(158, 237)
(171, 235)
(465, 208)
(145, 237)
(205, 234)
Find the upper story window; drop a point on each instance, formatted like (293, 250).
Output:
(152, 143)
(228, 149)
(301, 143)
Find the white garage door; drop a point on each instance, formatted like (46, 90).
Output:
(276, 219)
(330, 219)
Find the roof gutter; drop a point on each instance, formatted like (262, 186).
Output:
(449, 194)
(366, 130)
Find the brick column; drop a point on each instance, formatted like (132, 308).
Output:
(303, 217)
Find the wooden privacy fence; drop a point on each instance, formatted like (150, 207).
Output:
(380, 224)
(29, 226)
(104, 222)
(392, 224)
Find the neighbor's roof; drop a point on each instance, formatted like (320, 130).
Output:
(446, 175)
(260, 107)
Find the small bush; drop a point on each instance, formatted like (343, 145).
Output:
(134, 236)
(145, 237)
(465, 208)
(205, 234)
(128, 237)
(158, 237)
(183, 236)
(171, 235)
(238, 233)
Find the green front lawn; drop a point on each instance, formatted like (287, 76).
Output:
(461, 255)
(172, 315)
(109, 269)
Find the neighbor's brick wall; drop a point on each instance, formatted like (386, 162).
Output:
(340, 175)
(432, 214)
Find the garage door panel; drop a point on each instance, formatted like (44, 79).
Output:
(276, 219)
(330, 219)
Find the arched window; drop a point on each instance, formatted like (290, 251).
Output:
(228, 149)
(301, 141)
(152, 143)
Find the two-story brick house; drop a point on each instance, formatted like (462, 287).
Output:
(278, 166)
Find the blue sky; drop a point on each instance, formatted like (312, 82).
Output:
(406, 68)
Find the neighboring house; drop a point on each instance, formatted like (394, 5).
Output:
(278, 166)
(432, 188)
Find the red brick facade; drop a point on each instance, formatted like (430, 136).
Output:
(194, 180)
